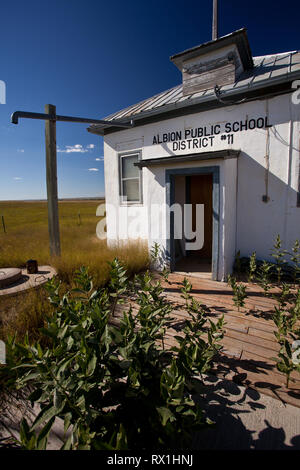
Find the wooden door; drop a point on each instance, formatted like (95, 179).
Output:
(201, 189)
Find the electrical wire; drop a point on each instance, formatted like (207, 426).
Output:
(217, 91)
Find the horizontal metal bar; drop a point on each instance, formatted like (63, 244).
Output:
(95, 121)
(24, 114)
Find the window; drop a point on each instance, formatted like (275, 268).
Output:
(130, 178)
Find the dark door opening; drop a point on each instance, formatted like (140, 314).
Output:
(198, 190)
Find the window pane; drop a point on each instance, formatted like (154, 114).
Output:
(131, 190)
(128, 168)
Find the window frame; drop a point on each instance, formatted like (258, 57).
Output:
(121, 179)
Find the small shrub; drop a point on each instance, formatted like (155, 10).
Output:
(239, 292)
(288, 337)
(252, 267)
(116, 388)
(295, 258)
(264, 277)
(279, 255)
(284, 295)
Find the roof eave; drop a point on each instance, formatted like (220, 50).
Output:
(100, 130)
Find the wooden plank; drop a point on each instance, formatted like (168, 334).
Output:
(240, 321)
(224, 75)
(249, 323)
(234, 325)
(289, 396)
(228, 302)
(268, 364)
(174, 277)
(254, 340)
(268, 380)
(254, 292)
(51, 178)
(249, 347)
(261, 333)
(223, 292)
(212, 305)
(234, 320)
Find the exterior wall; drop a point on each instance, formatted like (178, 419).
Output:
(268, 165)
(180, 195)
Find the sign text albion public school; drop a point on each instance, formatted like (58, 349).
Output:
(199, 137)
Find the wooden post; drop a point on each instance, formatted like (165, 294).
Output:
(215, 20)
(51, 178)
(3, 223)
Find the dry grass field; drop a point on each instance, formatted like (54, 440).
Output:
(26, 238)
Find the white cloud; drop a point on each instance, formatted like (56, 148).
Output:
(99, 159)
(20, 150)
(93, 169)
(17, 178)
(77, 148)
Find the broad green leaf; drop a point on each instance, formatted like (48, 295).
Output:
(46, 414)
(165, 413)
(43, 436)
(91, 365)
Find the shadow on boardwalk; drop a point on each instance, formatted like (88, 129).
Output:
(246, 419)
(250, 347)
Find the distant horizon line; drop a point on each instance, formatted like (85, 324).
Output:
(59, 199)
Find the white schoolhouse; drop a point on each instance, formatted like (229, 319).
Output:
(225, 140)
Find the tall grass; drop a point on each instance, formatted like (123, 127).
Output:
(24, 313)
(27, 229)
(96, 255)
(27, 238)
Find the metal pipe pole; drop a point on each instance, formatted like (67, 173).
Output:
(215, 20)
(51, 177)
(25, 114)
(50, 118)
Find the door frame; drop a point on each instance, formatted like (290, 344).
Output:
(170, 199)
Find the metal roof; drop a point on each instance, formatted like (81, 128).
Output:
(239, 38)
(267, 71)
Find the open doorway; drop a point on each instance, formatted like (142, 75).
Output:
(195, 189)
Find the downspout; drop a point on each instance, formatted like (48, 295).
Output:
(265, 197)
(288, 178)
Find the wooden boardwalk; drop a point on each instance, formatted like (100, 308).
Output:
(249, 343)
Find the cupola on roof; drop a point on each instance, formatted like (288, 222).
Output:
(217, 62)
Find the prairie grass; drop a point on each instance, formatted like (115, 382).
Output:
(24, 313)
(26, 238)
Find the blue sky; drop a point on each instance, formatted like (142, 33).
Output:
(93, 57)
